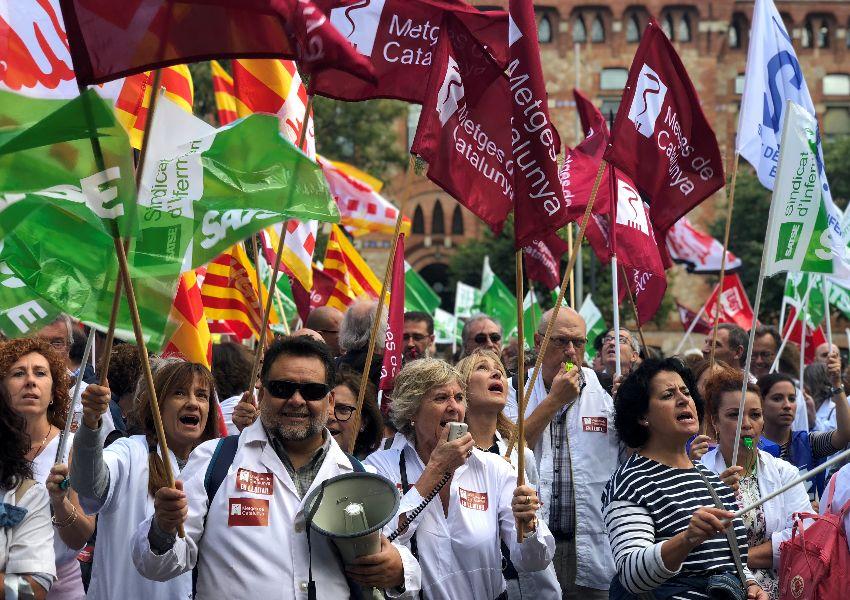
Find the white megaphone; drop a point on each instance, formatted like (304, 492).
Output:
(352, 509)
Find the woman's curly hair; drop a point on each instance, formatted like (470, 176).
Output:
(14, 445)
(12, 350)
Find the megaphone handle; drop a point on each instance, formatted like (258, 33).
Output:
(311, 512)
(415, 512)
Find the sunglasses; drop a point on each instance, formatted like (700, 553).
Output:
(283, 389)
(481, 338)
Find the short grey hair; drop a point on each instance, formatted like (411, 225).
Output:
(634, 343)
(69, 326)
(464, 335)
(416, 379)
(356, 326)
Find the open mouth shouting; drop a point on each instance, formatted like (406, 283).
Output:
(190, 421)
(496, 387)
(686, 417)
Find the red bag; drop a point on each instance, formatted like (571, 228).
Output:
(815, 563)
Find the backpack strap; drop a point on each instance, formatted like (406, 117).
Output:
(355, 463)
(26, 484)
(222, 458)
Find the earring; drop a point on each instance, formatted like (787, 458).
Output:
(645, 423)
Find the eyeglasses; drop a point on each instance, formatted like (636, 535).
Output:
(610, 338)
(481, 338)
(283, 389)
(419, 337)
(343, 412)
(58, 343)
(766, 355)
(328, 330)
(562, 342)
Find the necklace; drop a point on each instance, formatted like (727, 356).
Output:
(43, 442)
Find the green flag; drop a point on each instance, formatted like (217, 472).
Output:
(22, 312)
(531, 315)
(796, 287)
(467, 300)
(595, 325)
(444, 324)
(497, 300)
(839, 298)
(418, 295)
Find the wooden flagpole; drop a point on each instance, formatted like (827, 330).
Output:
(520, 362)
(522, 402)
(258, 352)
(376, 324)
(572, 273)
(723, 258)
(259, 280)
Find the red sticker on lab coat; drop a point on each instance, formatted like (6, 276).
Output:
(597, 424)
(256, 483)
(473, 500)
(248, 512)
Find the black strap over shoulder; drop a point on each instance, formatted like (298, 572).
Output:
(222, 458)
(405, 487)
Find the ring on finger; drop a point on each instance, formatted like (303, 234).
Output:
(64, 484)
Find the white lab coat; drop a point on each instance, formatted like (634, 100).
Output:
(238, 556)
(460, 554)
(595, 456)
(127, 504)
(773, 473)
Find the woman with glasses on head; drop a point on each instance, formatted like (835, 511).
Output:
(119, 482)
(804, 449)
(457, 529)
(340, 423)
(36, 379)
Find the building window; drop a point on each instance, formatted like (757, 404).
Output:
(683, 32)
(613, 79)
(418, 225)
(733, 35)
(823, 35)
(438, 225)
(737, 33)
(609, 108)
(836, 84)
(597, 31)
(739, 84)
(632, 29)
(836, 121)
(579, 30)
(544, 30)
(457, 221)
(667, 26)
(807, 35)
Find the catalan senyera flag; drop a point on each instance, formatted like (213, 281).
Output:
(344, 263)
(225, 95)
(229, 293)
(134, 98)
(191, 339)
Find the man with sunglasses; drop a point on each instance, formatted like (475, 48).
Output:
(569, 423)
(248, 536)
(481, 331)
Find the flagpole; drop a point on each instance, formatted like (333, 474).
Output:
(690, 330)
(634, 308)
(257, 275)
(520, 357)
(258, 353)
(723, 257)
(787, 336)
(364, 377)
(825, 282)
(615, 292)
(572, 273)
(523, 402)
(279, 303)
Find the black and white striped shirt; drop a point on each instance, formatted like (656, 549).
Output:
(645, 504)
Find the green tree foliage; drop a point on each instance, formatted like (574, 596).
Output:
(365, 134)
(837, 161)
(204, 101)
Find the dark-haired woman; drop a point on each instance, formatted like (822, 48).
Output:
(804, 449)
(340, 424)
(659, 508)
(26, 538)
(37, 381)
(119, 482)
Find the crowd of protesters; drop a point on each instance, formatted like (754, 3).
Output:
(630, 483)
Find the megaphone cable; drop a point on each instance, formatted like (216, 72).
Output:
(408, 519)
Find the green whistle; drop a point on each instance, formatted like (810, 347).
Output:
(748, 443)
(569, 367)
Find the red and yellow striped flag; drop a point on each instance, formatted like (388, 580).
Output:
(134, 98)
(344, 263)
(229, 293)
(225, 96)
(191, 339)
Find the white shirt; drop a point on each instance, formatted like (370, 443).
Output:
(772, 473)
(595, 453)
(460, 554)
(106, 422)
(127, 504)
(69, 583)
(825, 416)
(263, 554)
(840, 498)
(28, 547)
(227, 407)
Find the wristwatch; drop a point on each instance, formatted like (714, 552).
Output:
(834, 391)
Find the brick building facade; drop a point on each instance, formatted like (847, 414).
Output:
(591, 46)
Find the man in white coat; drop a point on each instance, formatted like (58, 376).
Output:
(250, 540)
(570, 425)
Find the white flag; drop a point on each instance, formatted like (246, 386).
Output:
(467, 300)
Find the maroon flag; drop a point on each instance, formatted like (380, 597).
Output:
(540, 207)
(687, 316)
(661, 138)
(543, 260)
(577, 175)
(307, 300)
(700, 252)
(463, 131)
(592, 119)
(395, 322)
(734, 306)
(110, 39)
(399, 39)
